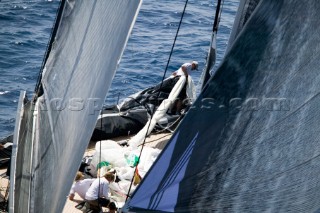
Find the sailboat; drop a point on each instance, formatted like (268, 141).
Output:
(250, 142)
(85, 49)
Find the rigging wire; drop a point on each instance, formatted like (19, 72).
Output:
(158, 95)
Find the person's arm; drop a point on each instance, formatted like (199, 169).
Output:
(174, 73)
(184, 69)
(71, 193)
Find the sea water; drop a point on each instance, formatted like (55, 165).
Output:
(25, 28)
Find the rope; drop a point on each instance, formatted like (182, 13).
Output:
(158, 95)
(168, 127)
(155, 139)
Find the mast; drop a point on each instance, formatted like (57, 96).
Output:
(211, 58)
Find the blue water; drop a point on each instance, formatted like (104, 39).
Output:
(25, 28)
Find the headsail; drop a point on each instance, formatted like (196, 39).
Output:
(84, 56)
(253, 133)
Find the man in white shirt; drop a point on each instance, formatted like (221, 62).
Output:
(97, 194)
(80, 186)
(186, 68)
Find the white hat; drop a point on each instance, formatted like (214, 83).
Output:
(196, 64)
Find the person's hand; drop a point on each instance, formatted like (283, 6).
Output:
(71, 196)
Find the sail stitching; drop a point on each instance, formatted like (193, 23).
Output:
(257, 135)
(183, 161)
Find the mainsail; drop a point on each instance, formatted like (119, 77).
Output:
(55, 130)
(250, 143)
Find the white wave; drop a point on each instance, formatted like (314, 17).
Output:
(4, 92)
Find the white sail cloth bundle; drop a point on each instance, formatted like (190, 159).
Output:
(123, 157)
(122, 160)
(163, 108)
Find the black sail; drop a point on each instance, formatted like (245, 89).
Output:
(250, 143)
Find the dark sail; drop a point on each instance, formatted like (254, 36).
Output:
(250, 143)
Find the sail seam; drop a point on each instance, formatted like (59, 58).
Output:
(183, 161)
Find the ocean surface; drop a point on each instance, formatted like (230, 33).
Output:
(25, 28)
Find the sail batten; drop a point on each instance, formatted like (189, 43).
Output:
(257, 148)
(84, 56)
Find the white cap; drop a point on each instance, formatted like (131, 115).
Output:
(195, 63)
